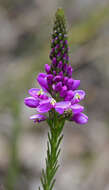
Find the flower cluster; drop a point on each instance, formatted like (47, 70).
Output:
(58, 88)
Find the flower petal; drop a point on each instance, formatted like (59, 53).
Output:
(76, 108)
(42, 80)
(31, 102)
(69, 95)
(78, 96)
(34, 92)
(44, 106)
(47, 68)
(75, 85)
(80, 118)
(60, 107)
(38, 118)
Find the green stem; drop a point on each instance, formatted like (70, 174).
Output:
(53, 151)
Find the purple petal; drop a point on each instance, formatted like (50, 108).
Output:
(78, 96)
(75, 85)
(61, 73)
(76, 108)
(58, 86)
(43, 97)
(69, 71)
(38, 118)
(34, 92)
(65, 79)
(60, 65)
(63, 91)
(44, 106)
(47, 68)
(69, 95)
(31, 102)
(54, 61)
(70, 83)
(57, 78)
(50, 79)
(60, 107)
(42, 80)
(80, 118)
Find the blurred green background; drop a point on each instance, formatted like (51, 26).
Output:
(25, 29)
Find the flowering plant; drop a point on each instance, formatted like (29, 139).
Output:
(58, 99)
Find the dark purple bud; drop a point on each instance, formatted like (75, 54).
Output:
(60, 65)
(57, 78)
(65, 42)
(59, 54)
(47, 68)
(61, 73)
(57, 46)
(67, 58)
(65, 80)
(58, 86)
(54, 72)
(69, 71)
(50, 79)
(65, 67)
(54, 61)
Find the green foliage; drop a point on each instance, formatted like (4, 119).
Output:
(53, 151)
(85, 31)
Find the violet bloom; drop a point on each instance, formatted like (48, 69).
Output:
(59, 91)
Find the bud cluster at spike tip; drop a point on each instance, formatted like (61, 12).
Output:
(59, 91)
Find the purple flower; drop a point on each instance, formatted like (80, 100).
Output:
(49, 79)
(78, 96)
(31, 102)
(42, 80)
(45, 106)
(75, 85)
(69, 71)
(38, 118)
(38, 93)
(60, 107)
(54, 61)
(58, 86)
(80, 118)
(47, 68)
(69, 95)
(34, 92)
(57, 78)
(60, 65)
(76, 108)
(63, 91)
(59, 90)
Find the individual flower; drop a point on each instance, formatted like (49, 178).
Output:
(38, 118)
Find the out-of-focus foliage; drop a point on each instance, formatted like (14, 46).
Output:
(24, 49)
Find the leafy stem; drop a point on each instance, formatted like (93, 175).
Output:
(53, 150)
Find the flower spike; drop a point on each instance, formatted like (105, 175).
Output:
(58, 99)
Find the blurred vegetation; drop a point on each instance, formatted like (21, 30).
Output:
(14, 88)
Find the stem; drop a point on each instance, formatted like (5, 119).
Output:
(53, 151)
